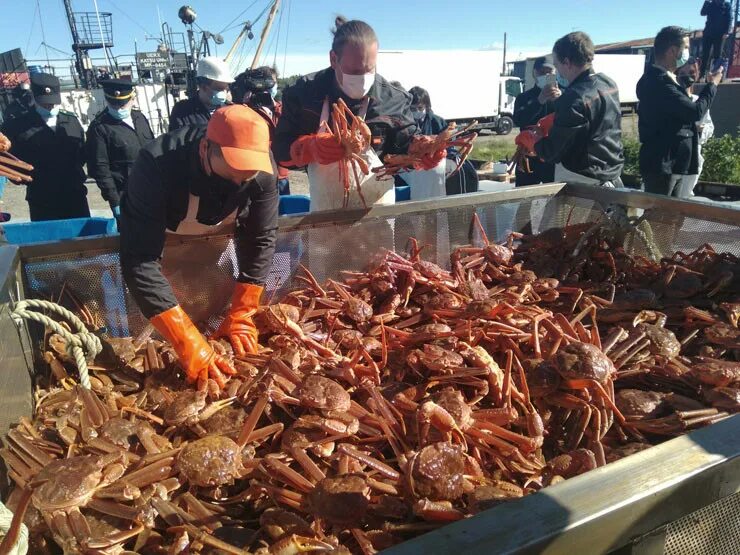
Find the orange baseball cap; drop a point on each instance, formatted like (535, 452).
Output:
(243, 136)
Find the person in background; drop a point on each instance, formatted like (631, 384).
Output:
(214, 77)
(583, 137)
(429, 123)
(114, 140)
(716, 29)
(687, 75)
(668, 115)
(192, 181)
(529, 108)
(300, 140)
(257, 88)
(53, 142)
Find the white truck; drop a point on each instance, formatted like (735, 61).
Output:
(463, 85)
(624, 69)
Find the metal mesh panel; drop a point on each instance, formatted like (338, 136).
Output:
(201, 271)
(712, 530)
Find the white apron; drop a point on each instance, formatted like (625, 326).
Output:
(202, 274)
(325, 186)
(427, 184)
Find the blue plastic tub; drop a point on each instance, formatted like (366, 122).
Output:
(294, 204)
(403, 193)
(57, 230)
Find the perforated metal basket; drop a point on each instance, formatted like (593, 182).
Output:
(650, 495)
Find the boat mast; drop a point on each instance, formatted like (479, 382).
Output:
(265, 32)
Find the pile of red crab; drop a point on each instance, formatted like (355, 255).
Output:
(384, 404)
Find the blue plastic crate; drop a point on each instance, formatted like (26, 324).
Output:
(294, 204)
(403, 193)
(57, 230)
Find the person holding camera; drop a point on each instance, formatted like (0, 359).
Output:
(529, 108)
(668, 115)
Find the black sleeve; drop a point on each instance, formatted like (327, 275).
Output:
(727, 15)
(570, 119)
(142, 226)
(288, 127)
(528, 111)
(256, 230)
(705, 8)
(405, 129)
(98, 165)
(677, 103)
(176, 115)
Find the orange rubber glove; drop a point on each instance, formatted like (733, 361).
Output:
(238, 326)
(196, 356)
(323, 148)
(545, 125)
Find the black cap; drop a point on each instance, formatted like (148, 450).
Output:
(542, 63)
(118, 90)
(45, 88)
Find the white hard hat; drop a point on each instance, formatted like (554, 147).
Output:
(215, 69)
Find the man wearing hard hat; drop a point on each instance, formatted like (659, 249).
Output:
(214, 77)
(192, 181)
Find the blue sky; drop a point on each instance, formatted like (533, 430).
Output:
(532, 25)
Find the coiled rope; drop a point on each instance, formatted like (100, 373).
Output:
(81, 345)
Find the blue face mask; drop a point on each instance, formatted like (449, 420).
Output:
(418, 114)
(273, 91)
(119, 113)
(47, 114)
(683, 59)
(218, 98)
(562, 81)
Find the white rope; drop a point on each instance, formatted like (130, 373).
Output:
(21, 546)
(79, 344)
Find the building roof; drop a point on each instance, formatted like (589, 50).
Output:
(637, 43)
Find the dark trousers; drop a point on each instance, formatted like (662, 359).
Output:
(65, 209)
(711, 49)
(541, 172)
(661, 184)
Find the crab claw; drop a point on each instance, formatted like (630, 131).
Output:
(298, 544)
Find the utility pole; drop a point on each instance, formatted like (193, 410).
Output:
(503, 69)
(265, 32)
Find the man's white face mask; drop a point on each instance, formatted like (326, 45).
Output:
(356, 86)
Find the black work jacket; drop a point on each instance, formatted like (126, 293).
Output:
(190, 111)
(528, 110)
(166, 172)
(388, 115)
(112, 148)
(719, 18)
(667, 123)
(431, 124)
(57, 155)
(587, 135)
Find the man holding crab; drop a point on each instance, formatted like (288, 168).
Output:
(302, 141)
